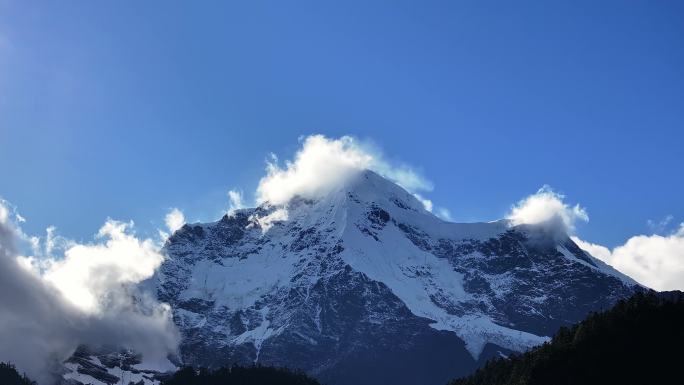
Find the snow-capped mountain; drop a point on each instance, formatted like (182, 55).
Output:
(363, 285)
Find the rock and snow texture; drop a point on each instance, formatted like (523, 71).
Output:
(110, 367)
(364, 275)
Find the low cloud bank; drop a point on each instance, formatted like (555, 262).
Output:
(50, 305)
(655, 261)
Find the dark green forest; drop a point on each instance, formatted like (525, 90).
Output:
(638, 341)
(238, 375)
(10, 376)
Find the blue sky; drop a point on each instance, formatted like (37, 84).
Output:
(126, 110)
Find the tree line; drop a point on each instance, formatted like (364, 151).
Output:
(638, 341)
(240, 375)
(10, 376)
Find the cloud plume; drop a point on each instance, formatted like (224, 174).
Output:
(547, 207)
(322, 164)
(174, 220)
(50, 306)
(235, 200)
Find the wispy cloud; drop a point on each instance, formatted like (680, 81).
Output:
(235, 200)
(659, 227)
(174, 220)
(443, 213)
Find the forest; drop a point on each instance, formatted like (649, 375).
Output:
(240, 375)
(638, 341)
(10, 376)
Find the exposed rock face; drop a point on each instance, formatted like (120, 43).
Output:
(365, 286)
(108, 366)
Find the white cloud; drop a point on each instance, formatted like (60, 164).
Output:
(4, 211)
(235, 200)
(401, 174)
(601, 252)
(655, 261)
(322, 164)
(659, 227)
(319, 166)
(54, 243)
(427, 204)
(49, 306)
(547, 207)
(90, 276)
(50, 240)
(267, 221)
(174, 220)
(444, 214)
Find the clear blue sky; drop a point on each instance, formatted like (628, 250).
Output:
(128, 108)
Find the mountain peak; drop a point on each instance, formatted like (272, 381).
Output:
(363, 185)
(370, 187)
(338, 275)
